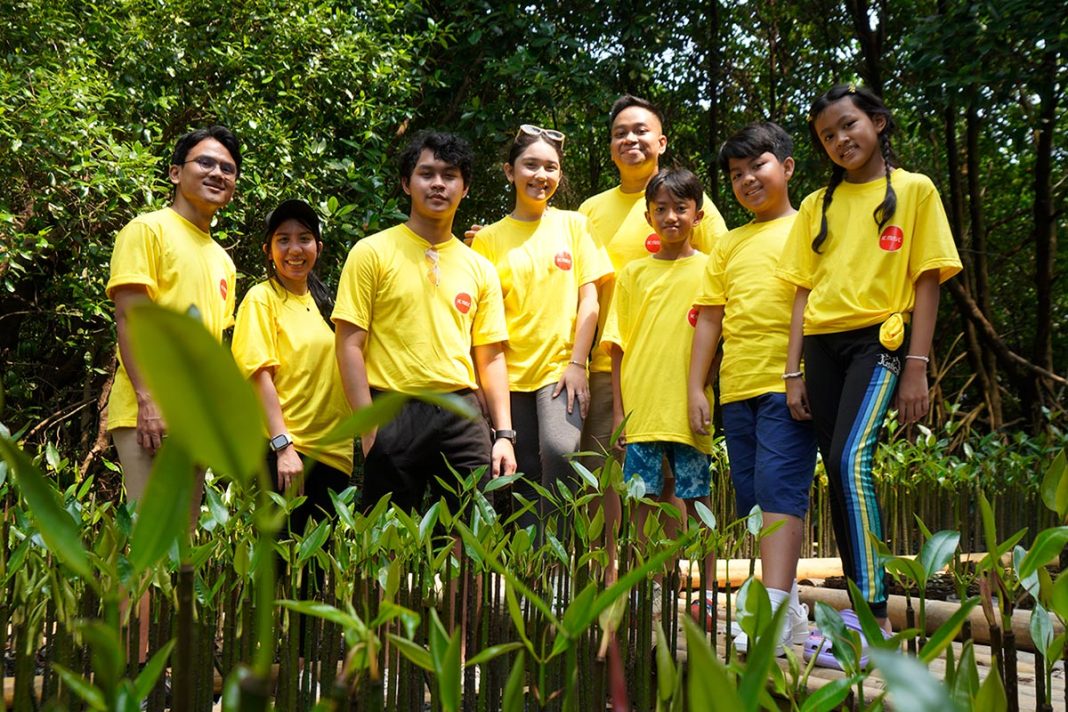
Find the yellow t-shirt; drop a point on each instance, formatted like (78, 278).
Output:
(541, 265)
(863, 274)
(423, 307)
(740, 275)
(652, 319)
(617, 223)
(183, 269)
(286, 331)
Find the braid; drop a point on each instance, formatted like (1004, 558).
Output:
(885, 211)
(837, 174)
(321, 296)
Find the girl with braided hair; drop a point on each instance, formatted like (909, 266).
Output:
(867, 254)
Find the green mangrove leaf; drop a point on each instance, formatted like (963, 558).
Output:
(1055, 486)
(313, 543)
(492, 652)
(513, 689)
(1048, 545)
(349, 621)
(834, 629)
(382, 410)
(343, 510)
(754, 522)
(665, 666)
(429, 520)
(706, 515)
(106, 653)
(872, 632)
(1058, 600)
(57, 529)
(209, 408)
(416, 654)
(965, 682)
(583, 472)
(911, 685)
(937, 552)
(163, 515)
(761, 656)
(753, 608)
(1031, 582)
(831, 695)
(708, 686)
(1041, 628)
(578, 611)
(991, 697)
(87, 691)
(947, 632)
(146, 679)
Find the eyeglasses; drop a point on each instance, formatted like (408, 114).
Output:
(208, 164)
(532, 130)
(433, 273)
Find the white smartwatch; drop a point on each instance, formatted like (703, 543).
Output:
(280, 442)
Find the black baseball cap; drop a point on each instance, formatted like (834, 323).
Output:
(297, 210)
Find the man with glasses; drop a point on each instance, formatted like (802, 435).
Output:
(417, 311)
(169, 257)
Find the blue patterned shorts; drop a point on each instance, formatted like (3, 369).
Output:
(690, 466)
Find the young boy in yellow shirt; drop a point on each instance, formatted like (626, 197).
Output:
(648, 333)
(772, 456)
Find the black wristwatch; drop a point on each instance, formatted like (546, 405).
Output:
(280, 442)
(504, 434)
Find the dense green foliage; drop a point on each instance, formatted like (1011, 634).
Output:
(322, 94)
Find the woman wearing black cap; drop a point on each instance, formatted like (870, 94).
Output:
(284, 343)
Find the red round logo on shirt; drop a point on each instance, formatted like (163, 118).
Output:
(223, 288)
(563, 260)
(652, 243)
(892, 238)
(463, 302)
(692, 316)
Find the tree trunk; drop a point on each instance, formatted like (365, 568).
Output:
(1045, 233)
(871, 42)
(715, 66)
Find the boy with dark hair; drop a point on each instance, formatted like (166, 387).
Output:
(169, 257)
(772, 456)
(617, 223)
(417, 310)
(648, 336)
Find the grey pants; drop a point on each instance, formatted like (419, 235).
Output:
(547, 433)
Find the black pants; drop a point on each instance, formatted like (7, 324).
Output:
(851, 378)
(410, 453)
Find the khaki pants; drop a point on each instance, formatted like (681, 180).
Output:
(137, 466)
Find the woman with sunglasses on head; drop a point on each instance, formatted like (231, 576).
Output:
(284, 343)
(549, 268)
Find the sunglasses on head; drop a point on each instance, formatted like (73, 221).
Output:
(532, 130)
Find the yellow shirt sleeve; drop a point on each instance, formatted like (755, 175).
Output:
(714, 279)
(616, 325)
(797, 262)
(136, 258)
(255, 340)
(357, 287)
(933, 247)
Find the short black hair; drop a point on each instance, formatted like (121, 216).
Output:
(220, 133)
(628, 100)
(447, 147)
(754, 140)
(681, 183)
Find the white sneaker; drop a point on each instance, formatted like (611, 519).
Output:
(794, 632)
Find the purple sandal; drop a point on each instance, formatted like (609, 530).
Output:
(819, 646)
